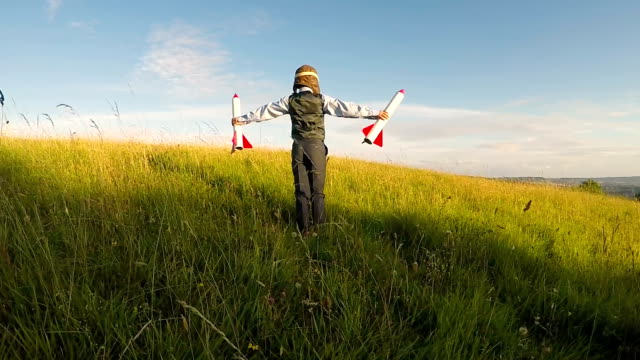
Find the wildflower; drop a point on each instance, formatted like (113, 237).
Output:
(114, 243)
(254, 347)
(523, 331)
(309, 302)
(327, 304)
(415, 266)
(270, 299)
(201, 285)
(185, 324)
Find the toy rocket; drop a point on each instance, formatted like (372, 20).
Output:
(239, 141)
(373, 133)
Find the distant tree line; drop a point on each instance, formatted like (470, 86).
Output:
(591, 186)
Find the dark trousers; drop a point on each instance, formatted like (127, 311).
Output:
(309, 162)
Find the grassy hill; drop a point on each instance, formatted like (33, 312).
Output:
(113, 250)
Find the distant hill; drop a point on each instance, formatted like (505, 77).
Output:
(621, 186)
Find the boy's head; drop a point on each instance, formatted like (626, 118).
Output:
(306, 75)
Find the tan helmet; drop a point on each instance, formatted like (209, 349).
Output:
(306, 75)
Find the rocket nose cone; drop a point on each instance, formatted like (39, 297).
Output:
(235, 96)
(402, 91)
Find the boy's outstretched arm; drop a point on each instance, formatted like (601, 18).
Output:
(264, 112)
(339, 108)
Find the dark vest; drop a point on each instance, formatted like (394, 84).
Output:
(307, 116)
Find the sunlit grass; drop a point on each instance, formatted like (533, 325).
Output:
(143, 251)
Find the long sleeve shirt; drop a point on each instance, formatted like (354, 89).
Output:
(332, 106)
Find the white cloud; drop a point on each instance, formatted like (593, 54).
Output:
(178, 124)
(185, 61)
(521, 102)
(577, 139)
(624, 114)
(461, 141)
(52, 8)
(564, 142)
(505, 147)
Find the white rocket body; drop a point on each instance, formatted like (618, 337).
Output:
(237, 129)
(239, 141)
(373, 133)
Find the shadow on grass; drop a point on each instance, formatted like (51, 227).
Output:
(554, 303)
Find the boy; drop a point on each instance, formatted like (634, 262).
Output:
(307, 107)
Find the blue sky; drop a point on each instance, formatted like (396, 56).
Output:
(494, 88)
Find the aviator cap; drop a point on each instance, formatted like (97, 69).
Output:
(306, 75)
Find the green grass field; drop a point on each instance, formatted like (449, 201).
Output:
(121, 250)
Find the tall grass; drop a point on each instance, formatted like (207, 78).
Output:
(122, 250)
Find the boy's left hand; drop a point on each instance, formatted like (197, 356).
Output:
(383, 115)
(236, 121)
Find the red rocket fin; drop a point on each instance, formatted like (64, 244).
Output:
(378, 140)
(366, 130)
(246, 144)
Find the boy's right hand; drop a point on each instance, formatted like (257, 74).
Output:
(236, 121)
